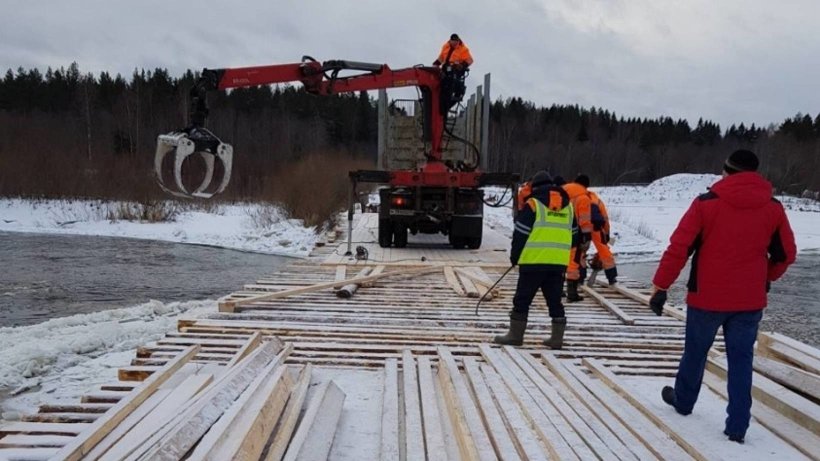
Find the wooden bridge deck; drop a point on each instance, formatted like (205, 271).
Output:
(404, 369)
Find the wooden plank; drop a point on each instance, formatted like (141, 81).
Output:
(790, 431)
(26, 440)
(179, 435)
(469, 287)
(550, 426)
(252, 343)
(287, 424)
(390, 412)
(470, 273)
(792, 343)
(249, 422)
(100, 428)
(802, 382)
(18, 427)
(522, 446)
(585, 399)
(452, 280)
(378, 270)
(801, 356)
(348, 291)
(431, 417)
(413, 431)
(314, 437)
(609, 305)
(341, 272)
(776, 396)
(668, 309)
(612, 381)
(473, 441)
(232, 304)
(27, 454)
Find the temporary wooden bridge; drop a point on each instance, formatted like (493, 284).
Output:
(385, 358)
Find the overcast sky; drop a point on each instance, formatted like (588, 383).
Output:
(727, 60)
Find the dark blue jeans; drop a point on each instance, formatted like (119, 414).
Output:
(529, 282)
(739, 333)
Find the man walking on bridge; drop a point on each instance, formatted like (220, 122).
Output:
(541, 246)
(740, 241)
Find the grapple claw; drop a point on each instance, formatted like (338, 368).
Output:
(183, 145)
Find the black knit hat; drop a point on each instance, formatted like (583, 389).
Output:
(558, 180)
(455, 37)
(741, 160)
(583, 180)
(540, 179)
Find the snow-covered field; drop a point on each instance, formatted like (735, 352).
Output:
(247, 227)
(64, 357)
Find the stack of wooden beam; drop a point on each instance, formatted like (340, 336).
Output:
(251, 409)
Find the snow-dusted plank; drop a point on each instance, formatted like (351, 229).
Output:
(290, 415)
(26, 440)
(473, 441)
(579, 425)
(790, 342)
(452, 280)
(376, 271)
(609, 305)
(612, 381)
(243, 430)
(413, 431)
(341, 272)
(251, 344)
(594, 413)
(118, 444)
(178, 436)
(644, 299)
(788, 430)
(794, 378)
(19, 427)
(789, 351)
(100, 428)
(545, 419)
(469, 287)
(27, 454)
(790, 404)
(390, 412)
(314, 437)
(433, 432)
(499, 428)
(347, 291)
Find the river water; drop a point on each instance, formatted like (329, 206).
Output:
(47, 276)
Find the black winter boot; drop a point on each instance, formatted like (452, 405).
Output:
(612, 275)
(515, 336)
(572, 291)
(556, 339)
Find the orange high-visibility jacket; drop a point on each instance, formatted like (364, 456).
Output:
(582, 204)
(461, 54)
(595, 200)
(524, 193)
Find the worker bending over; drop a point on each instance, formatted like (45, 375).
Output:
(541, 246)
(600, 230)
(581, 204)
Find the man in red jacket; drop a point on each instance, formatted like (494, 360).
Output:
(740, 241)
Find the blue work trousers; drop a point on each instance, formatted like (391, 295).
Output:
(739, 333)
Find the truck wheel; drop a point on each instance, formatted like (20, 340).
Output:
(474, 243)
(457, 242)
(400, 235)
(385, 233)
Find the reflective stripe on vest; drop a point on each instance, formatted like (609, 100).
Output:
(551, 238)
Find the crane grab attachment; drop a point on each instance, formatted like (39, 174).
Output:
(185, 144)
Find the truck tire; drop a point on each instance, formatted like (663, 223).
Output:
(385, 233)
(457, 242)
(474, 243)
(400, 235)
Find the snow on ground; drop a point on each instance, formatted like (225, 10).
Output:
(248, 227)
(644, 217)
(62, 358)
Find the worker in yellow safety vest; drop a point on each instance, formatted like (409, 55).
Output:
(541, 246)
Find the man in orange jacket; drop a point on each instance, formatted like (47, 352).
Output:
(576, 271)
(600, 230)
(454, 60)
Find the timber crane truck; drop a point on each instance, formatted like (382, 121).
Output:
(436, 197)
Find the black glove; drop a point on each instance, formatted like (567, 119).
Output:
(605, 238)
(436, 62)
(657, 301)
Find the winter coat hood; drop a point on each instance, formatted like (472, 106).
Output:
(744, 190)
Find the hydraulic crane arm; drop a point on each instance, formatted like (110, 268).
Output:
(317, 78)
